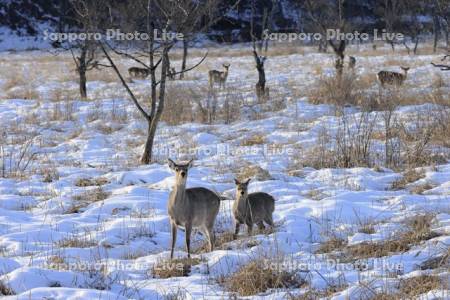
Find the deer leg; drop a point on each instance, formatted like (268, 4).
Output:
(249, 228)
(269, 221)
(261, 226)
(236, 230)
(174, 237)
(188, 238)
(210, 235)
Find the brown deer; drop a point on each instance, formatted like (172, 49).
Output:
(218, 76)
(392, 78)
(254, 208)
(351, 62)
(191, 208)
(138, 73)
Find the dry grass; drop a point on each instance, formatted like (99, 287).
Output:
(97, 194)
(421, 188)
(84, 182)
(343, 91)
(174, 268)
(332, 244)
(257, 139)
(253, 171)
(76, 242)
(436, 262)
(411, 288)
(221, 242)
(315, 294)
(254, 278)
(418, 230)
(409, 176)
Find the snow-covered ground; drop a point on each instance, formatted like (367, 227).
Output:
(80, 219)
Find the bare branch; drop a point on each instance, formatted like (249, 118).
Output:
(124, 83)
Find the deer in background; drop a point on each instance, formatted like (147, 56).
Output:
(254, 208)
(139, 73)
(218, 76)
(191, 208)
(351, 62)
(392, 78)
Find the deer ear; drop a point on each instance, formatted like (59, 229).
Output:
(171, 163)
(190, 163)
(236, 181)
(248, 180)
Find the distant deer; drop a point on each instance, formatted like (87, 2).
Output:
(351, 62)
(218, 76)
(191, 208)
(254, 208)
(392, 78)
(171, 73)
(139, 73)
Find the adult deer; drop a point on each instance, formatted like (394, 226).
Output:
(138, 73)
(218, 76)
(392, 78)
(191, 208)
(254, 208)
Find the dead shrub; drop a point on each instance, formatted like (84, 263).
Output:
(254, 278)
(350, 146)
(174, 268)
(346, 90)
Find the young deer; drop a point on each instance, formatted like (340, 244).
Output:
(252, 208)
(191, 208)
(218, 76)
(392, 78)
(139, 73)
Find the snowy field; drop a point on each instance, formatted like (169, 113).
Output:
(80, 219)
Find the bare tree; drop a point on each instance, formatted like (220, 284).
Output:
(389, 11)
(443, 12)
(330, 14)
(82, 17)
(414, 10)
(152, 16)
(260, 46)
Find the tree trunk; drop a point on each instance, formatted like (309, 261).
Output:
(147, 154)
(185, 54)
(436, 29)
(82, 75)
(260, 86)
(154, 121)
(416, 44)
(81, 68)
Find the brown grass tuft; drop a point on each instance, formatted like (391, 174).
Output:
(5, 290)
(76, 242)
(411, 288)
(409, 176)
(84, 182)
(254, 278)
(174, 268)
